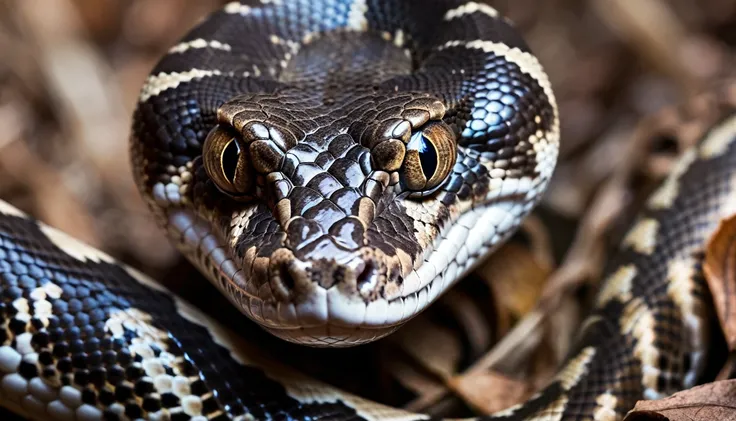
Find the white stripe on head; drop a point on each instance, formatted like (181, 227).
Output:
(471, 7)
(155, 84)
(198, 44)
(357, 20)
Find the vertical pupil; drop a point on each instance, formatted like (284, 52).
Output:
(230, 159)
(427, 155)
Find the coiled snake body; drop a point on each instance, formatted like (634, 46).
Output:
(332, 167)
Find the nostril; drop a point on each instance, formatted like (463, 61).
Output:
(367, 276)
(286, 276)
(282, 281)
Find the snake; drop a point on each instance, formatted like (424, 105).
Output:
(332, 167)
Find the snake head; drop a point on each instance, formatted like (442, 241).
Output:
(333, 199)
(316, 219)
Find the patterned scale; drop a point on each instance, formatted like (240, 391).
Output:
(85, 338)
(651, 329)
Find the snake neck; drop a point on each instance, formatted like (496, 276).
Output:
(339, 64)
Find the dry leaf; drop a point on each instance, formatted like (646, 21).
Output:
(473, 325)
(713, 401)
(516, 278)
(560, 327)
(427, 387)
(648, 26)
(434, 347)
(720, 271)
(489, 391)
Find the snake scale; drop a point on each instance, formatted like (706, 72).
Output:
(333, 166)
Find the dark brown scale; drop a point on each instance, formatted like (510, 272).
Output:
(133, 411)
(169, 400)
(123, 392)
(106, 396)
(89, 396)
(28, 370)
(151, 404)
(98, 377)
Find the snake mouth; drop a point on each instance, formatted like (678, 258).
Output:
(328, 301)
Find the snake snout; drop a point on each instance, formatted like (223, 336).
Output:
(339, 301)
(293, 280)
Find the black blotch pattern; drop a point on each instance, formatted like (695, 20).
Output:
(75, 347)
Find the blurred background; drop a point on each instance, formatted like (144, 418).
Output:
(634, 81)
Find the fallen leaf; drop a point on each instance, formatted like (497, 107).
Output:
(516, 278)
(712, 401)
(719, 268)
(428, 388)
(560, 327)
(489, 391)
(473, 325)
(434, 347)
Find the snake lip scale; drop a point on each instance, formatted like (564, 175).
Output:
(333, 166)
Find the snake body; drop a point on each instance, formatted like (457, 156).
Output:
(332, 167)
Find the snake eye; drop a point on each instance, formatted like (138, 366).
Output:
(225, 162)
(430, 156)
(229, 159)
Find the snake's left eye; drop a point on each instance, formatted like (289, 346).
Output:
(226, 163)
(430, 156)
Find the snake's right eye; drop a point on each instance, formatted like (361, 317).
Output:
(430, 156)
(226, 163)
